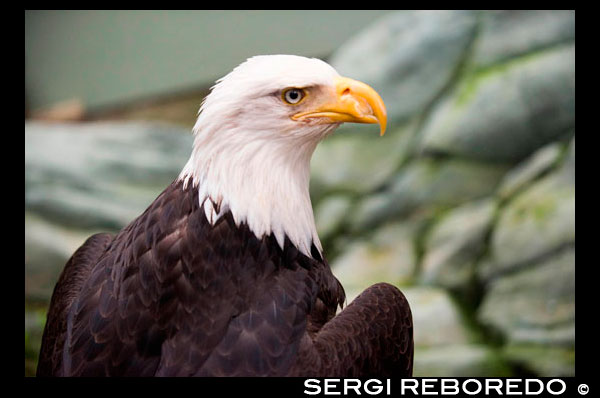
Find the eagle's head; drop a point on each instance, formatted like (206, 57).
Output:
(255, 135)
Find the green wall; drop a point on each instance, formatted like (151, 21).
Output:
(107, 57)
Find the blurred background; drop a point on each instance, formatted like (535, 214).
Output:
(467, 203)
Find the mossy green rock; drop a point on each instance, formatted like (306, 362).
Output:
(82, 178)
(503, 113)
(356, 160)
(330, 214)
(508, 34)
(387, 256)
(459, 360)
(455, 243)
(48, 246)
(437, 319)
(536, 304)
(408, 56)
(94, 175)
(525, 172)
(542, 360)
(428, 184)
(534, 223)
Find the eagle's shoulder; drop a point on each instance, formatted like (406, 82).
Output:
(66, 290)
(124, 310)
(172, 294)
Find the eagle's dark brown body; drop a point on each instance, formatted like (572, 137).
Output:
(171, 295)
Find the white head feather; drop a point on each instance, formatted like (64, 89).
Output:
(251, 158)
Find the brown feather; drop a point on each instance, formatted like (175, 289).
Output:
(172, 295)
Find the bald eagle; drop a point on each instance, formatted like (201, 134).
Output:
(224, 274)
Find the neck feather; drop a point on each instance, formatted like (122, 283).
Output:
(264, 182)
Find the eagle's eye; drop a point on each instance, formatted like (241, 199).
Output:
(293, 95)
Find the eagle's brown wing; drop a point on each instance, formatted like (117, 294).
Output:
(67, 289)
(373, 336)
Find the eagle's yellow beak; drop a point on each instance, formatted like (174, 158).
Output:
(353, 101)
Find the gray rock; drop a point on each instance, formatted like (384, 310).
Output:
(86, 178)
(459, 360)
(543, 360)
(455, 243)
(386, 257)
(510, 33)
(48, 246)
(100, 174)
(505, 112)
(538, 163)
(426, 184)
(437, 319)
(535, 305)
(408, 56)
(373, 210)
(356, 160)
(330, 214)
(568, 166)
(535, 222)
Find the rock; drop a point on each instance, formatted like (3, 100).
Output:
(436, 317)
(535, 305)
(387, 257)
(86, 178)
(425, 184)
(538, 163)
(459, 360)
(547, 361)
(445, 182)
(330, 214)
(408, 56)
(48, 246)
(356, 160)
(511, 33)
(505, 112)
(371, 211)
(535, 222)
(100, 175)
(455, 243)
(568, 166)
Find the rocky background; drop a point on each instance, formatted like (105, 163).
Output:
(467, 203)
